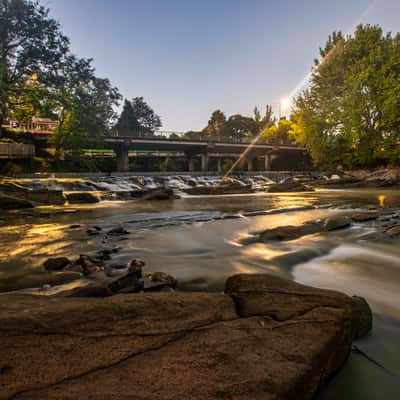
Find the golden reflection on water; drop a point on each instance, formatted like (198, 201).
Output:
(381, 199)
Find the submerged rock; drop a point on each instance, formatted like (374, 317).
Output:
(118, 231)
(13, 203)
(82, 198)
(291, 186)
(56, 264)
(159, 194)
(267, 338)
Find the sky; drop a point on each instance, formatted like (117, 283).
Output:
(188, 58)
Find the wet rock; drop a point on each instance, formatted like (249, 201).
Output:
(281, 299)
(290, 186)
(82, 198)
(393, 231)
(364, 217)
(289, 232)
(74, 226)
(56, 264)
(266, 339)
(128, 283)
(45, 196)
(221, 189)
(89, 265)
(335, 223)
(13, 203)
(159, 194)
(118, 231)
(92, 232)
(162, 278)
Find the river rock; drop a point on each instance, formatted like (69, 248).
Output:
(118, 231)
(335, 223)
(266, 339)
(162, 278)
(393, 231)
(282, 300)
(56, 264)
(159, 194)
(289, 232)
(291, 186)
(82, 198)
(364, 217)
(13, 203)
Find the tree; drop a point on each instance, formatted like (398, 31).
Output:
(149, 121)
(240, 128)
(31, 44)
(280, 133)
(216, 126)
(350, 114)
(138, 119)
(127, 124)
(84, 103)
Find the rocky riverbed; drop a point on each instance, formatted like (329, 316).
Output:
(21, 193)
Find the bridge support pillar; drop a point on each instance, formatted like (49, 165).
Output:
(268, 162)
(250, 165)
(122, 159)
(192, 164)
(204, 162)
(219, 165)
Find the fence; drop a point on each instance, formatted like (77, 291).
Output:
(16, 150)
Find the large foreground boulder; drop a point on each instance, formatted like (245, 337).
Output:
(266, 338)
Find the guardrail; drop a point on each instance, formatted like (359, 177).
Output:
(17, 150)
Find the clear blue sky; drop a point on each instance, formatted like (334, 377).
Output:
(190, 57)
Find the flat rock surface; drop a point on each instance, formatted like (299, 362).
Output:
(176, 345)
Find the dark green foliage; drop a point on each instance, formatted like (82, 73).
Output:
(137, 119)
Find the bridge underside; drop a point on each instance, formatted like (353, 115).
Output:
(205, 151)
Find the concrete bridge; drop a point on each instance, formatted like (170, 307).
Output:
(203, 150)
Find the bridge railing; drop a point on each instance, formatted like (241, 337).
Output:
(181, 138)
(16, 150)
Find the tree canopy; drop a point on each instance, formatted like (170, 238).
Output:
(137, 119)
(40, 77)
(237, 127)
(350, 114)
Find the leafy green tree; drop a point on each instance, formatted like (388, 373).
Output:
(31, 44)
(84, 103)
(280, 133)
(350, 114)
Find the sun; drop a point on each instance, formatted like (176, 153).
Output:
(285, 103)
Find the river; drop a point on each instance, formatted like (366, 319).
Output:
(199, 241)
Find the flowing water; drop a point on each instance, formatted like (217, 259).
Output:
(199, 241)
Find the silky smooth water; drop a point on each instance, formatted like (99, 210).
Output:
(198, 240)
